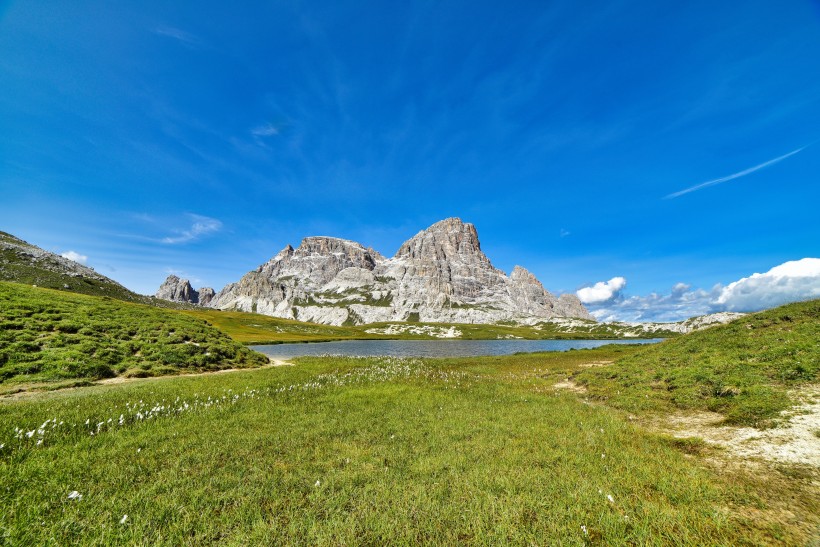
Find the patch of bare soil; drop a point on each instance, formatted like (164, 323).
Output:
(569, 385)
(796, 441)
(593, 364)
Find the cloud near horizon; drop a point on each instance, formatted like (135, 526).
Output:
(76, 257)
(602, 291)
(200, 226)
(788, 282)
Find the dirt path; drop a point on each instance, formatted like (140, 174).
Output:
(34, 392)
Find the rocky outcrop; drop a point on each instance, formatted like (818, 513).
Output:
(175, 289)
(206, 294)
(439, 275)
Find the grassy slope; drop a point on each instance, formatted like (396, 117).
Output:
(49, 273)
(362, 451)
(742, 369)
(48, 335)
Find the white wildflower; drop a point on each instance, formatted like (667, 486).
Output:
(123, 519)
(318, 484)
(610, 498)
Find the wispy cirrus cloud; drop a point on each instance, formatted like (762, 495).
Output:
(185, 38)
(266, 130)
(733, 176)
(200, 226)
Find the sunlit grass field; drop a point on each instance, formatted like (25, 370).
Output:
(362, 451)
(253, 328)
(56, 337)
(743, 369)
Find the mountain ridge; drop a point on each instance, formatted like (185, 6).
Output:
(439, 275)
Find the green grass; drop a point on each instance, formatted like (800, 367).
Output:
(253, 328)
(360, 451)
(743, 369)
(51, 336)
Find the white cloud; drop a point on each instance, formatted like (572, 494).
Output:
(185, 38)
(737, 175)
(680, 303)
(76, 257)
(602, 291)
(200, 226)
(267, 130)
(788, 282)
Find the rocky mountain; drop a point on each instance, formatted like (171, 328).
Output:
(175, 289)
(440, 275)
(22, 262)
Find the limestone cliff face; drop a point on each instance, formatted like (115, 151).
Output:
(294, 278)
(177, 290)
(439, 275)
(180, 290)
(206, 294)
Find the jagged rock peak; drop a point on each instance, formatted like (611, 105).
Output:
(206, 294)
(520, 274)
(324, 245)
(177, 290)
(448, 239)
(438, 275)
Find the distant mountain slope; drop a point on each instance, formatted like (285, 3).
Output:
(440, 275)
(22, 262)
(47, 336)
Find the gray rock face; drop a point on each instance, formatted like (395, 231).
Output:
(439, 275)
(206, 294)
(177, 290)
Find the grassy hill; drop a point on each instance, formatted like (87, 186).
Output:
(48, 335)
(337, 451)
(22, 262)
(743, 369)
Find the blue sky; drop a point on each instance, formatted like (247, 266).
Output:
(202, 137)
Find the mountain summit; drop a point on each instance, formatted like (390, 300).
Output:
(439, 275)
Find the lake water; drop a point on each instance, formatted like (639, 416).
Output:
(434, 348)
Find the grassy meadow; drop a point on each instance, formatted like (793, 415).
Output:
(360, 451)
(743, 369)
